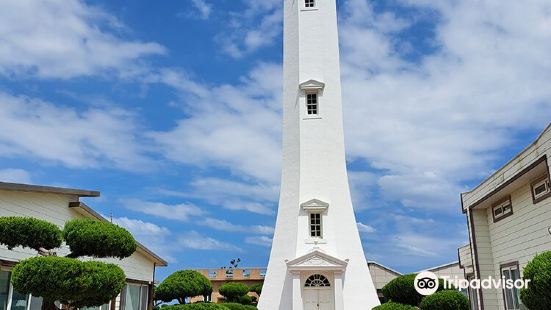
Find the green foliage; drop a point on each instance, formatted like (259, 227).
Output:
(197, 306)
(182, 284)
(29, 232)
(86, 237)
(445, 300)
(237, 306)
(394, 306)
(233, 291)
(245, 300)
(538, 294)
(402, 290)
(70, 281)
(256, 289)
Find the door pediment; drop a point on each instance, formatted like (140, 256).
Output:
(317, 260)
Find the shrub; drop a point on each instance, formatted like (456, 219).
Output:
(402, 290)
(445, 300)
(70, 281)
(233, 291)
(182, 284)
(256, 289)
(86, 237)
(197, 306)
(236, 306)
(29, 232)
(394, 306)
(537, 296)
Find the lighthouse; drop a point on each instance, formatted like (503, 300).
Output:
(317, 261)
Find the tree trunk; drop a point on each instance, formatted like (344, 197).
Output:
(49, 305)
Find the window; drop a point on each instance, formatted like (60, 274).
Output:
(540, 189)
(4, 289)
(317, 280)
(502, 209)
(315, 225)
(309, 3)
(135, 297)
(511, 296)
(312, 103)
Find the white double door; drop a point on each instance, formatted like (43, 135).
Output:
(319, 298)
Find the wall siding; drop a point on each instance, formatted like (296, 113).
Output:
(54, 208)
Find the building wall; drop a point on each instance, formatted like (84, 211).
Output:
(54, 208)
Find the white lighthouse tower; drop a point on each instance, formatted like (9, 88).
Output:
(317, 260)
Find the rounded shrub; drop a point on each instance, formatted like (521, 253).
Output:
(237, 306)
(182, 284)
(256, 289)
(394, 306)
(245, 300)
(402, 290)
(87, 237)
(233, 291)
(70, 281)
(197, 306)
(29, 232)
(538, 294)
(445, 300)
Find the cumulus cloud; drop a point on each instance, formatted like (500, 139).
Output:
(92, 138)
(15, 176)
(65, 39)
(203, 8)
(178, 212)
(196, 241)
(224, 225)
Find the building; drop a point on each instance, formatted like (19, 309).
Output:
(317, 260)
(509, 221)
(59, 205)
(248, 276)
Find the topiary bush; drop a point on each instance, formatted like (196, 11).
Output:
(233, 291)
(29, 232)
(182, 284)
(394, 306)
(236, 306)
(196, 306)
(402, 290)
(86, 237)
(538, 294)
(256, 289)
(445, 300)
(70, 281)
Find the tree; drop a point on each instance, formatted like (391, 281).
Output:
(256, 289)
(402, 290)
(232, 291)
(538, 294)
(66, 279)
(445, 300)
(183, 284)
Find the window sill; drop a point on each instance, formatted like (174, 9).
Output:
(309, 9)
(315, 241)
(313, 117)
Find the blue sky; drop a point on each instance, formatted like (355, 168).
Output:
(172, 110)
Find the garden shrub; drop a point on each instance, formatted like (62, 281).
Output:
(402, 290)
(445, 300)
(538, 294)
(236, 306)
(29, 232)
(196, 306)
(233, 291)
(70, 281)
(394, 306)
(256, 289)
(245, 300)
(182, 284)
(87, 237)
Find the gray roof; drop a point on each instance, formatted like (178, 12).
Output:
(48, 189)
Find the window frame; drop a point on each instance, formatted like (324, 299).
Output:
(540, 181)
(312, 226)
(306, 4)
(122, 305)
(510, 267)
(316, 104)
(502, 204)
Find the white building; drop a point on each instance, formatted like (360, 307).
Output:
(59, 205)
(317, 260)
(509, 221)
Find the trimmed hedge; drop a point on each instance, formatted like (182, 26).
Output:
(29, 232)
(233, 291)
(445, 300)
(256, 289)
(196, 306)
(538, 294)
(394, 306)
(402, 290)
(70, 281)
(182, 284)
(87, 237)
(236, 306)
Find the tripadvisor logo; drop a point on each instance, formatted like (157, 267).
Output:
(426, 283)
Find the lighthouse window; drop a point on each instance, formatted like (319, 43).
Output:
(309, 3)
(315, 225)
(312, 104)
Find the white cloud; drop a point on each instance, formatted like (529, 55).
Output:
(178, 212)
(365, 229)
(203, 8)
(259, 240)
(229, 227)
(92, 138)
(196, 241)
(15, 176)
(65, 39)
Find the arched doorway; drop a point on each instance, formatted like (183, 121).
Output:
(318, 293)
